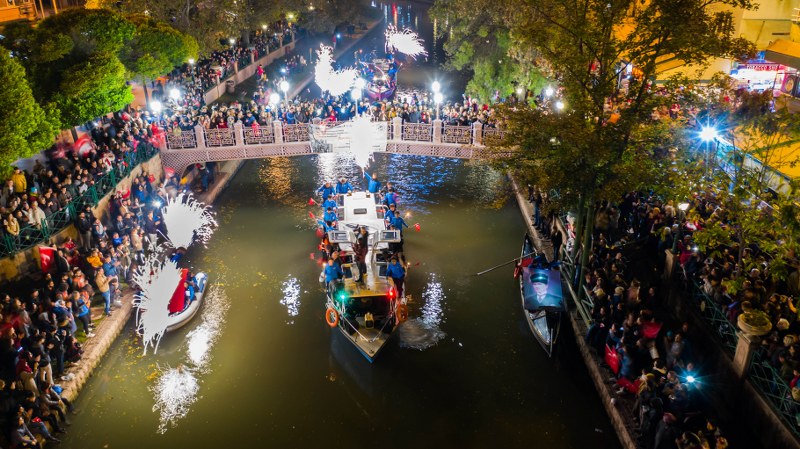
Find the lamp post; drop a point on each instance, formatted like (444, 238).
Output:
(284, 86)
(437, 96)
(683, 207)
(559, 106)
(155, 106)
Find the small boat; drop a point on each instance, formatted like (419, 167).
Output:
(542, 300)
(178, 319)
(381, 75)
(366, 314)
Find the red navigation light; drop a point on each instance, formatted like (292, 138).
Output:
(391, 293)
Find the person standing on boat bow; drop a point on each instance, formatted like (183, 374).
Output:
(361, 248)
(373, 185)
(398, 275)
(333, 273)
(343, 187)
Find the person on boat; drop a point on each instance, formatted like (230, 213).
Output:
(333, 273)
(373, 185)
(539, 280)
(361, 248)
(390, 214)
(326, 190)
(343, 187)
(189, 294)
(330, 217)
(330, 203)
(398, 275)
(389, 195)
(177, 255)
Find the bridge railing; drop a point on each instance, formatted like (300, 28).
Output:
(278, 132)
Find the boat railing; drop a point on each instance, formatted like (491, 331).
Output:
(370, 340)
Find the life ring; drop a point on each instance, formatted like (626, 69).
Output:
(332, 317)
(401, 314)
(517, 271)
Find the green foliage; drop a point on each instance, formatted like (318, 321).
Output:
(156, 48)
(25, 128)
(91, 30)
(93, 88)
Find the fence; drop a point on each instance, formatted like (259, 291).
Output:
(32, 235)
(715, 317)
(775, 389)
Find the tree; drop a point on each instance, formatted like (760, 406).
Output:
(156, 48)
(25, 127)
(93, 88)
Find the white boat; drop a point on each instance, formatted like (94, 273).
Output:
(365, 314)
(179, 319)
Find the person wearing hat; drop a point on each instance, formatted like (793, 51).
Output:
(330, 203)
(343, 187)
(398, 275)
(539, 280)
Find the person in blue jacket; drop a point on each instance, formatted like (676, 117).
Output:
(390, 197)
(326, 190)
(389, 215)
(330, 203)
(333, 273)
(373, 185)
(330, 216)
(343, 187)
(398, 222)
(398, 275)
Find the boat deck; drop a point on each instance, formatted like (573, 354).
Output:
(369, 341)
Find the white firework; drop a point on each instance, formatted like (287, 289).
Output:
(175, 392)
(363, 138)
(157, 281)
(335, 82)
(203, 337)
(187, 220)
(405, 41)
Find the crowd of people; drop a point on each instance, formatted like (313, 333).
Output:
(40, 327)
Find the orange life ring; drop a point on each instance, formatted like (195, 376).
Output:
(401, 314)
(332, 317)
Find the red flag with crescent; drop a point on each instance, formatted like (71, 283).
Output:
(47, 255)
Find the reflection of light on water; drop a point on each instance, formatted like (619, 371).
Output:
(175, 392)
(176, 389)
(203, 336)
(424, 332)
(291, 297)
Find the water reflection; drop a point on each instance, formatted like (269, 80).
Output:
(291, 297)
(424, 331)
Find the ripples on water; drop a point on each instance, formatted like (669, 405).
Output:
(423, 332)
(291, 297)
(176, 389)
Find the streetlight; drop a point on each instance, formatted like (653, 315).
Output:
(191, 64)
(356, 94)
(437, 97)
(155, 106)
(436, 87)
(708, 135)
(284, 86)
(264, 28)
(682, 207)
(274, 99)
(174, 94)
(548, 91)
(361, 83)
(232, 41)
(559, 105)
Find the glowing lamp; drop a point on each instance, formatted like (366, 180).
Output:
(690, 379)
(274, 99)
(284, 86)
(683, 206)
(548, 91)
(708, 133)
(437, 97)
(191, 61)
(436, 87)
(361, 83)
(174, 93)
(155, 106)
(559, 105)
(519, 91)
(356, 94)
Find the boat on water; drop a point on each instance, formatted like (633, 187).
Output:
(368, 312)
(381, 75)
(181, 313)
(542, 300)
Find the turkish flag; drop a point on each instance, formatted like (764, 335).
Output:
(47, 255)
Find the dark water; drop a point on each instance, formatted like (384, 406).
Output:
(279, 377)
(289, 381)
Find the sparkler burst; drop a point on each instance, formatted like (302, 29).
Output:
(363, 138)
(203, 337)
(335, 82)
(405, 41)
(175, 392)
(157, 281)
(187, 220)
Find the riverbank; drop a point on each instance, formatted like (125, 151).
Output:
(608, 398)
(109, 328)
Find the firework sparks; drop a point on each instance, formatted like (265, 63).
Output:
(335, 82)
(405, 41)
(188, 220)
(363, 138)
(157, 281)
(175, 392)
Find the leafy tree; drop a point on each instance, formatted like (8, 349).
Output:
(93, 88)
(156, 48)
(25, 127)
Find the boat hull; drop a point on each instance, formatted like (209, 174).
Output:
(545, 323)
(180, 319)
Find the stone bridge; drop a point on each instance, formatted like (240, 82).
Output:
(185, 148)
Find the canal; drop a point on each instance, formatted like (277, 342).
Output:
(464, 372)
